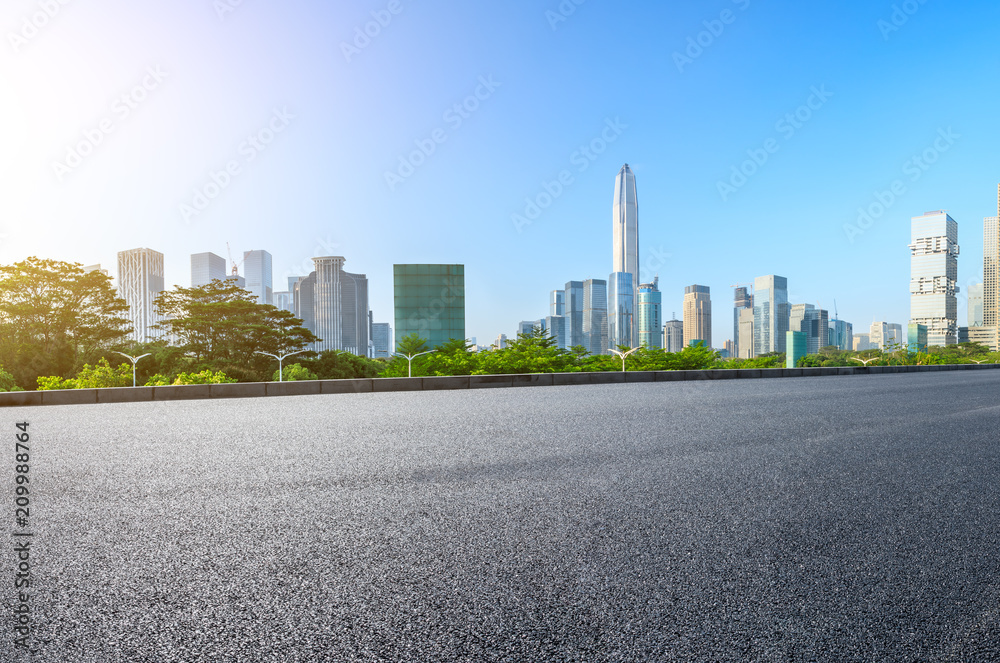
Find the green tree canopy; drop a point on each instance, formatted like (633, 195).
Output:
(223, 328)
(53, 314)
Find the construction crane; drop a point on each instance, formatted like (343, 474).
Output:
(236, 265)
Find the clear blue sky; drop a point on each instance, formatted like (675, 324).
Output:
(319, 187)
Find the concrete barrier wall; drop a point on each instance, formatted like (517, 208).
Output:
(313, 387)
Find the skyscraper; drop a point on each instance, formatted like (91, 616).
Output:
(770, 314)
(813, 322)
(557, 302)
(555, 325)
(697, 314)
(257, 271)
(933, 276)
(333, 304)
(625, 231)
(429, 301)
(746, 335)
(140, 279)
(742, 299)
(842, 334)
(595, 316)
(621, 310)
(649, 316)
(382, 340)
(205, 268)
(673, 335)
(573, 310)
(991, 268)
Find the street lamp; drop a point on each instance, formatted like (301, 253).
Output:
(865, 361)
(281, 374)
(134, 360)
(409, 360)
(623, 355)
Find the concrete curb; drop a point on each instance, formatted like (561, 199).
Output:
(383, 385)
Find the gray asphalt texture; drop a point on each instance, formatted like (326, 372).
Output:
(809, 519)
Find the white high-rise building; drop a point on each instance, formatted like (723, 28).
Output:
(206, 267)
(140, 279)
(333, 304)
(933, 276)
(625, 230)
(257, 272)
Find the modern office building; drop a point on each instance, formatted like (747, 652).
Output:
(595, 316)
(745, 347)
(813, 322)
(140, 280)
(991, 268)
(770, 314)
(333, 304)
(841, 335)
(975, 313)
(886, 335)
(625, 233)
(526, 327)
(698, 314)
(673, 335)
(96, 268)
(621, 310)
(796, 344)
(742, 299)
(573, 310)
(649, 315)
(555, 325)
(283, 300)
(862, 342)
(557, 302)
(430, 302)
(381, 334)
(933, 276)
(206, 267)
(916, 337)
(501, 342)
(257, 272)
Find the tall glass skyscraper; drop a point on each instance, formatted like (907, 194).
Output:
(649, 315)
(333, 304)
(770, 314)
(621, 309)
(257, 272)
(933, 276)
(573, 310)
(557, 302)
(595, 316)
(742, 299)
(140, 279)
(625, 231)
(429, 302)
(698, 314)
(673, 335)
(206, 267)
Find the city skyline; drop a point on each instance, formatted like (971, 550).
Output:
(822, 139)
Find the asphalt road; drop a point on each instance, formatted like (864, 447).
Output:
(810, 519)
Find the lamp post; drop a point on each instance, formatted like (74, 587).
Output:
(409, 360)
(281, 374)
(864, 361)
(134, 360)
(623, 355)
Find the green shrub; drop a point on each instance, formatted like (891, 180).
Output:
(295, 372)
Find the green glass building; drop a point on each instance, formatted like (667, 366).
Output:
(916, 337)
(796, 347)
(429, 301)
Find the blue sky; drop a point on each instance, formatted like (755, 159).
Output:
(629, 82)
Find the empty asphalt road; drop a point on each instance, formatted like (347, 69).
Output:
(809, 519)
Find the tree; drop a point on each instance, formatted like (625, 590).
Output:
(293, 373)
(223, 327)
(53, 314)
(412, 344)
